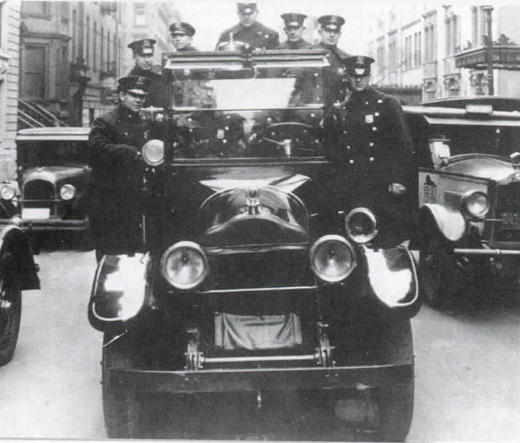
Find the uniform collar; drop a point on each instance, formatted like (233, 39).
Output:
(126, 113)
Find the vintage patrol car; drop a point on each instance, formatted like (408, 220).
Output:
(253, 281)
(469, 193)
(52, 178)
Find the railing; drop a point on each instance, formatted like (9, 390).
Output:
(32, 115)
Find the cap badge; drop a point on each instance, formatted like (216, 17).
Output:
(360, 60)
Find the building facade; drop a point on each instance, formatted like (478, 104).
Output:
(439, 49)
(9, 85)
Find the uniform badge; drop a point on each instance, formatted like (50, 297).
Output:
(369, 118)
(341, 71)
(220, 133)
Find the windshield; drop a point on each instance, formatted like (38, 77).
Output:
(237, 108)
(495, 140)
(52, 153)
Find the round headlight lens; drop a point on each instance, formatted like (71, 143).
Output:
(153, 152)
(332, 258)
(184, 265)
(476, 204)
(361, 225)
(7, 192)
(67, 192)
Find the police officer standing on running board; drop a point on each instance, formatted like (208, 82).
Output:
(373, 152)
(249, 31)
(116, 179)
(294, 30)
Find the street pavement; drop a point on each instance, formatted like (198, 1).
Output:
(467, 365)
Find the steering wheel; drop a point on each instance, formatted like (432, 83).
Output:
(291, 138)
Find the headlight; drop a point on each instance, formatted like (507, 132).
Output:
(7, 192)
(332, 258)
(361, 225)
(184, 265)
(153, 152)
(67, 192)
(476, 204)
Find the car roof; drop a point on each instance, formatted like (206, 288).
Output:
(499, 103)
(54, 133)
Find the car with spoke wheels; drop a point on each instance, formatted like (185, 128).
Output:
(469, 194)
(252, 279)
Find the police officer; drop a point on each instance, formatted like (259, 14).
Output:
(373, 152)
(294, 30)
(143, 53)
(182, 36)
(249, 31)
(335, 83)
(116, 178)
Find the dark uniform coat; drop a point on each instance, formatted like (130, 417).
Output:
(334, 81)
(373, 149)
(256, 35)
(116, 180)
(299, 44)
(156, 92)
(189, 48)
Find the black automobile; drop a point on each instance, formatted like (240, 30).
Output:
(48, 195)
(253, 280)
(469, 194)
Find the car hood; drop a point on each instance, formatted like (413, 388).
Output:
(54, 174)
(254, 212)
(489, 167)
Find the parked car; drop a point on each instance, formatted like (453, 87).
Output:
(48, 195)
(253, 279)
(468, 192)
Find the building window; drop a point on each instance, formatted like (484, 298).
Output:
(87, 49)
(430, 43)
(39, 9)
(1, 23)
(102, 62)
(33, 77)
(74, 34)
(474, 27)
(452, 35)
(139, 14)
(65, 11)
(94, 46)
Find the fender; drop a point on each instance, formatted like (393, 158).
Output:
(392, 283)
(450, 222)
(120, 291)
(14, 243)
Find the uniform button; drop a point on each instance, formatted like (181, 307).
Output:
(376, 114)
(313, 115)
(269, 119)
(367, 103)
(371, 144)
(191, 130)
(371, 159)
(344, 108)
(351, 162)
(317, 86)
(224, 141)
(345, 131)
(190, 119)
(380, 101)
(227, 128)
(228, 116)
(348, 147)
(374, 128)
(315, 74)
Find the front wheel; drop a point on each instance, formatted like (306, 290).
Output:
(10, 315)
(119, 405)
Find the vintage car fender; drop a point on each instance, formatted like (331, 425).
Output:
(392, 286)
(449, 221)
(120, 291)
(15, 246)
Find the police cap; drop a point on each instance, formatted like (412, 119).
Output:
(331, 22)
(135, 84)
(144, 46)
(358, 65)
(293, 19)
(182, 28)
(246, 8)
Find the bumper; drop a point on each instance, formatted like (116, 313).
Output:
(48, 225)
(252, 380)
(487, 252)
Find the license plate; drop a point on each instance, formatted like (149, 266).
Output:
(510, 220)
(36, 213)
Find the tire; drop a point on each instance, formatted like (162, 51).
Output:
(119, 404)
(395, 402)
(10, 315)
(438, 270)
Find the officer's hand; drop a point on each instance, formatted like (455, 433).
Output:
(396, 189)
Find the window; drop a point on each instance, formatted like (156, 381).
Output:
(475, 40)
(102, 62)
(33, 77)
(65, 11)
(74, 34)
(452, 35)
(94, 46)
(139, 14)
(87, 49)
(35, 8)
(1, 23)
